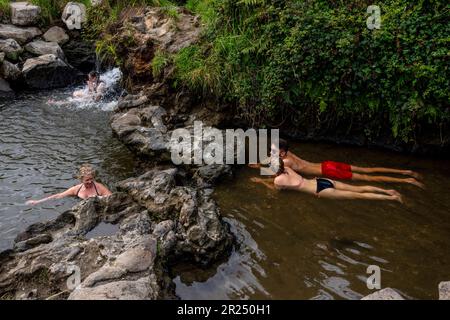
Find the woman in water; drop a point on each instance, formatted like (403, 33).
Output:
(288, 179)
(86, 189)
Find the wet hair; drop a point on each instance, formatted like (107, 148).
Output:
(94, 74)
(283, 145)
(86, 170)
(281, 169)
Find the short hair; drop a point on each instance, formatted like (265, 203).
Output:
(86, 170)
(283, 145)
(94, 74)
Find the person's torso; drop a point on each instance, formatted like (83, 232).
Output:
(84, 193)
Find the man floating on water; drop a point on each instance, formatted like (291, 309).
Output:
(339, 170)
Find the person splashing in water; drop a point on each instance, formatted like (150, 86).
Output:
(86, 189)
(95, 88)
(287, 179)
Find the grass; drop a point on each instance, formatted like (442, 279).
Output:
(5, 12)
(159, 62)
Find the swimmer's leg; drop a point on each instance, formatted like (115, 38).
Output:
(350, 195)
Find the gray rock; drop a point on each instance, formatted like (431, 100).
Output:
(11, 48)
(80, 54)
(2, 56)
(10, 71)
(56, 34)
(5, 89)
(24, 13)
(39, 48)
(21, 35)
(141, 289)
(48, 71)
(33, 242)
(384, 294)
(444, 290)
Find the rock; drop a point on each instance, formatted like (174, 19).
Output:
(384, 294)
(10, 71)
(48, 71)
(24, 13)
(444, 290)
(39, 48)
(11, 48)
(5, 89)
(74, 15)
(21, 35)
(141, 289)
(80, 54)
(131, 101)
(33, 242)
(56, 34)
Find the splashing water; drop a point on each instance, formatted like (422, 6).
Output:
(111, 79)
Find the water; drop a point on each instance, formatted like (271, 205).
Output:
(294, 246)
(102, 229)
(41, 148)
(291, 245)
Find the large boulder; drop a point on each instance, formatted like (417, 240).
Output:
(48, 71)
(39, 48)
(11, 48)
(21, 35)
(10, 71)
(80, 54)
(24, 13)
(5, 89)
(56, 34)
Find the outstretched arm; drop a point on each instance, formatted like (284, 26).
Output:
(67, 193)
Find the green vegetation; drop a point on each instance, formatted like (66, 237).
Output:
(52, 9)
(5, 12)
(318, 59)
(159, 62)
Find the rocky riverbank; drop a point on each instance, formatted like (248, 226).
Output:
(40, 58)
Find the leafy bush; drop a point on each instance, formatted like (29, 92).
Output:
(318, 58)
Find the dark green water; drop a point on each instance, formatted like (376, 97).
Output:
(294, 246)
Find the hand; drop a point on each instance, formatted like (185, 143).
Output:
(31, 202)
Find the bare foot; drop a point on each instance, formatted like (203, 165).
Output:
(414, 174)
(393, 192)
(398, 198)
(416, 183)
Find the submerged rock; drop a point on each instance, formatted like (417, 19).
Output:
(21, 35)
(384, 294)
(39, 48)
(56, 34)
(48, 71)
(24, 13)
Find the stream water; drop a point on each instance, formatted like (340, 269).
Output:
(291, 245)
(295, 246)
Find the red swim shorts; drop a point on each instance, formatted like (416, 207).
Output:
(336, 170)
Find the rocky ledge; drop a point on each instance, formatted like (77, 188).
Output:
(158, 223)
(33, 59)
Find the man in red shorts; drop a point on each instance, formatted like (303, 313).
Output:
(342, 171)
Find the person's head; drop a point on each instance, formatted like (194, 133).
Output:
(277, 165)
(86, 174)
(283, 148)
(93, 76)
